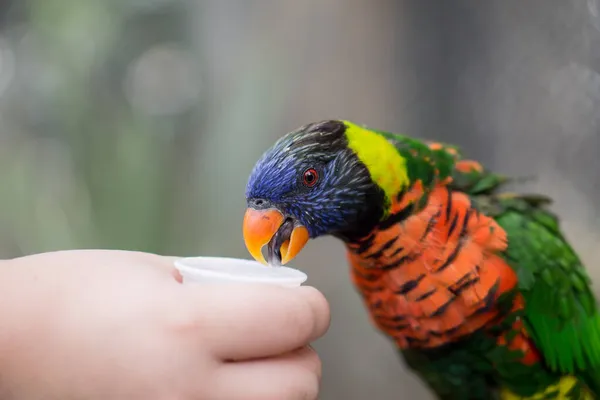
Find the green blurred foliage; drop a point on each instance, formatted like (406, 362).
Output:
(81, 167)
(109, 134)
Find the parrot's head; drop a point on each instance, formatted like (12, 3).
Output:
(325, 178)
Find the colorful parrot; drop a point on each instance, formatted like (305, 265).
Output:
(478, 289)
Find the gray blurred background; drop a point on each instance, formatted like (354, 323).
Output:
(133, 124)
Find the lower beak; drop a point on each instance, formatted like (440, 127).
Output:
(261, 226)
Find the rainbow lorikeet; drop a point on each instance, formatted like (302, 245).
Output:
(478, 288)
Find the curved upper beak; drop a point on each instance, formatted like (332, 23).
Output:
(269, 226)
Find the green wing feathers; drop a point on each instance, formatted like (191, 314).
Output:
(561, 311)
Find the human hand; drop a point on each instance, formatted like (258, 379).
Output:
(94, 324)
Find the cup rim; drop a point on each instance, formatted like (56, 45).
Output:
(186, 267)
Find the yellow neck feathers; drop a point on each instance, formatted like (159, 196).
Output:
(382, 159)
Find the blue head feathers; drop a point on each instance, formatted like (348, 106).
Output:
(312, 176)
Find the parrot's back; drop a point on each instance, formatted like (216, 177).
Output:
(479, 289)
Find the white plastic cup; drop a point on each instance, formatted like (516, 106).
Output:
(225, 270)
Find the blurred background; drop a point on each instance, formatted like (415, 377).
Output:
(133, 124)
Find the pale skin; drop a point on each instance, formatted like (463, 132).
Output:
(93, 324)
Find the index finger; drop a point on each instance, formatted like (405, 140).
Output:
(238, 322)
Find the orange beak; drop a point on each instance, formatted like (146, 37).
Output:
(260, 226)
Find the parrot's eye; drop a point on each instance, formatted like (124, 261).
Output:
(310, 177)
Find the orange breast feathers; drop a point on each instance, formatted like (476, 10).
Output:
(436, 275)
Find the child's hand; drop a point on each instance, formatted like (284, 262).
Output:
(113, 325)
